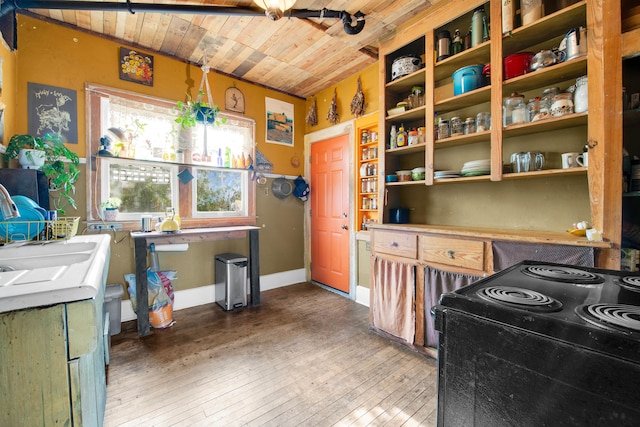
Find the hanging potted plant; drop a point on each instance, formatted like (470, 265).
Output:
(196, 111)
(111, 206)
(52, 153)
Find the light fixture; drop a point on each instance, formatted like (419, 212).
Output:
(275, 9)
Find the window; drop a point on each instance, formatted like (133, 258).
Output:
(142, 156)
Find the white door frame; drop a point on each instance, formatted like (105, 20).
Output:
(345, 128)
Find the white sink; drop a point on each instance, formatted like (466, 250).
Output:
(34, 274)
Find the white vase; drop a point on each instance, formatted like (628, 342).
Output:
(110, 214)
(31, 159)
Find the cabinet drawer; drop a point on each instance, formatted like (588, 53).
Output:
(456, 252)
(396, 243)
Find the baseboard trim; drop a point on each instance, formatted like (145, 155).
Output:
(206, 294)
(362, 295)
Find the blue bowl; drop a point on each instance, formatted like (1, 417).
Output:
(392, 178)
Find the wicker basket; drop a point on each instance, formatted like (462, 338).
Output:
(65, 227)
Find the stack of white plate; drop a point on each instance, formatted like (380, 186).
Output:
(446, 174)
(476, 167)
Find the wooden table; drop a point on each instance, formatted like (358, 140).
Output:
(143, 240)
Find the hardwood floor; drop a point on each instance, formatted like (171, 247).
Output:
(305, 357)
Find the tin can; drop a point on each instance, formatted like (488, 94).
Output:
(145, 223)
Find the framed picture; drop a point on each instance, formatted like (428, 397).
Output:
(234, 100)
(279, 122)
(53, 109)
(136, 67)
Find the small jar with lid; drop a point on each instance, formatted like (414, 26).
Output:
(443, 129)
(514, 110)
(456, 126)
(469, 126)
(581, 95)
(562, 104)
(412, 137)
(364, 137)
(483, 121)
(533, 109)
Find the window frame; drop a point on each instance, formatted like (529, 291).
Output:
(186, 192)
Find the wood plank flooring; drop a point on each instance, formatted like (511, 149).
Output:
(305, 357)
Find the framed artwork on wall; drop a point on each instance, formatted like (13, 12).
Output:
(234, 100)
(136, 67)
(279, 120)
(52, 109)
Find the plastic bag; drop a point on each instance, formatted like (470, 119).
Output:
(160, 299)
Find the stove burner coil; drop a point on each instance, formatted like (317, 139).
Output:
(563, 274)
(625, 318)
(631, 283)
(521, 298)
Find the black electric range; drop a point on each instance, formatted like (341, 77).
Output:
(541, 344)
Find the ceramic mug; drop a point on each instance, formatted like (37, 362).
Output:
(583, 160)
(569, 160)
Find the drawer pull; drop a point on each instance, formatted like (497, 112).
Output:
(394, 245)
(450, 254)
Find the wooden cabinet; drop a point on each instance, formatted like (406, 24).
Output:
(367, 172)
(595, 189)
(53, 365)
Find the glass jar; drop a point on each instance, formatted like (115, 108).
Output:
(413, 137)
(456, 126)
(514, 110)
(562, 104)
(443, 129)
(581, 95)
(469, 126)
(483, 121)
(365, 137)
(533, 109)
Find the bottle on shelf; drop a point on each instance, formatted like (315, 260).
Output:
(456, 45)
(393, 141)
(479, 29)
(401, 138)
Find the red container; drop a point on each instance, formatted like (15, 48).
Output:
(517, 64)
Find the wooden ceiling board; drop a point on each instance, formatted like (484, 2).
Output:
(294, 55)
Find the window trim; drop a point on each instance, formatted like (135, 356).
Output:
(93, 94)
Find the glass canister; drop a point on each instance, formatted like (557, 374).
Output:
(514, 110)
(443, 129)
(469, 126)
(533, 109)
(562, 104)
(581, 95)
(483, 121)
(456, 126)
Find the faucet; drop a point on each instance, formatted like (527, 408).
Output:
(7, 207)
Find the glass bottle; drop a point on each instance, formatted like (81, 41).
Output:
(456, 45)
(393, 141)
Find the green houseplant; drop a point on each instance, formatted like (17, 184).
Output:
(196, 111)
(62, 174)
(111, 206)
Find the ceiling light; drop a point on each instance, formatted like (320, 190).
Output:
(275, 9)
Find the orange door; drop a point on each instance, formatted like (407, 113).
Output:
(330, 212)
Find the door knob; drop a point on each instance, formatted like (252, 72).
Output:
(344, 227)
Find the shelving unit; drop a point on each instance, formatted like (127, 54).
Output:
(499, 142)
(368, 177)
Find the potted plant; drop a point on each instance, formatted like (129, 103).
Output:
(196, 111)
(62, 174)
(111, 208)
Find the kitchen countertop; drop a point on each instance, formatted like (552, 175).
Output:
(52, 272)
(528, 236)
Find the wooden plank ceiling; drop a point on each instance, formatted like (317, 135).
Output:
(297, 56)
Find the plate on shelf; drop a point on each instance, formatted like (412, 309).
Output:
(446, 174)
(476, 172)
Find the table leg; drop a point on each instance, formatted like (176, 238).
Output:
(142, 290)
(254, 267)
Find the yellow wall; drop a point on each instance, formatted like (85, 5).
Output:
(77, 57)
(345, 91)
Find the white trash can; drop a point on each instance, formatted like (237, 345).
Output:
(113, 305)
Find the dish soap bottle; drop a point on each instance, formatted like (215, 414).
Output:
(402, 137)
